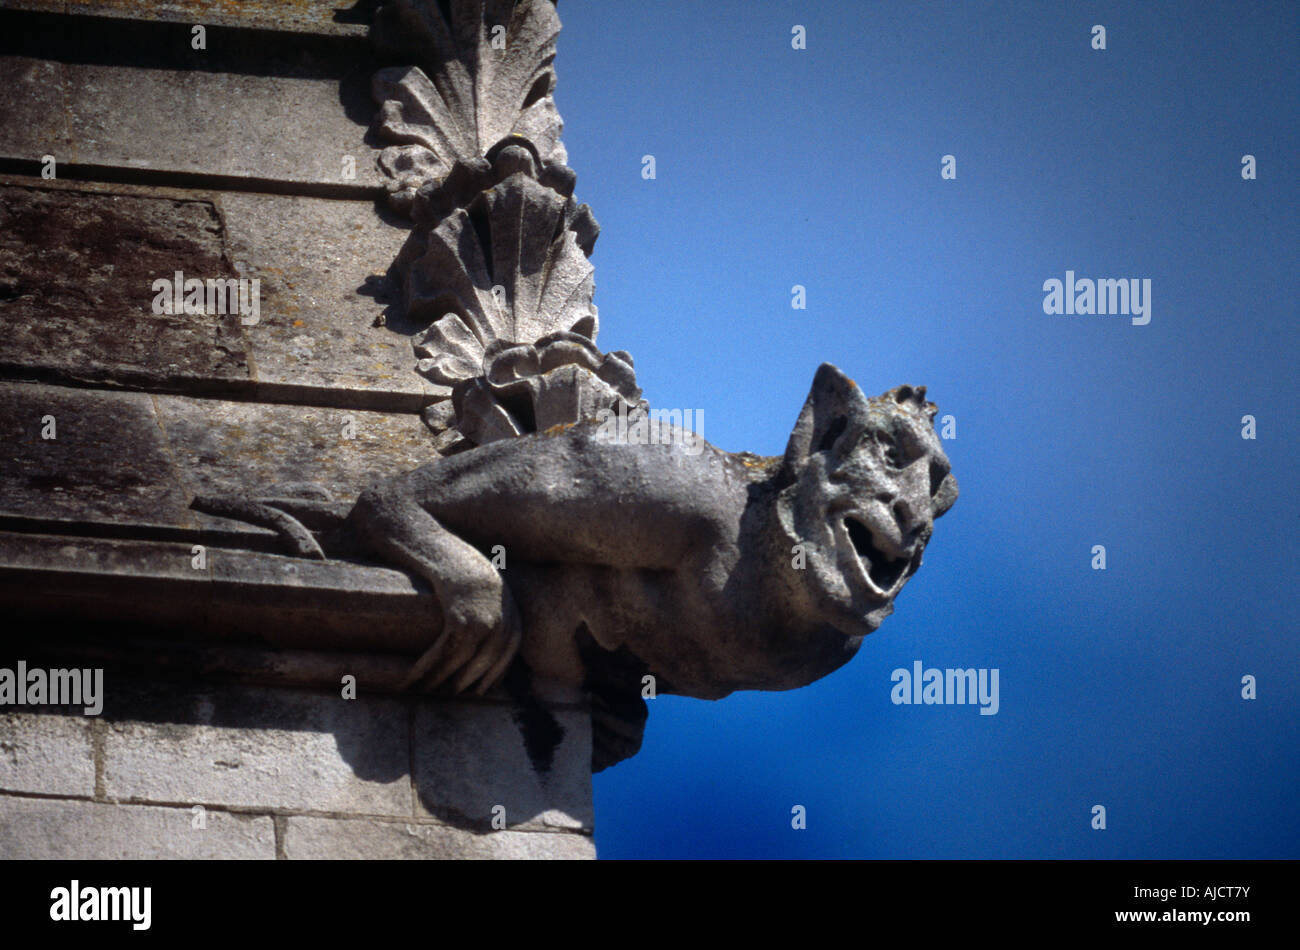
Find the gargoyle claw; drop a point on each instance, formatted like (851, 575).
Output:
(426, 661)
(493, 676)
(487, 667)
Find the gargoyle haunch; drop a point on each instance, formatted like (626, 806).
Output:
(710, 571)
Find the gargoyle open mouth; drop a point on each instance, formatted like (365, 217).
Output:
(883, 570)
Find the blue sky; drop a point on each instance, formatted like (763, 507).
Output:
(821, 167)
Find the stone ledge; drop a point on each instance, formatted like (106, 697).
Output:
(318, 17)
(151, 588)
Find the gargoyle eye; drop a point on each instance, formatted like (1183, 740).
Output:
(901, 446)
(892, 450)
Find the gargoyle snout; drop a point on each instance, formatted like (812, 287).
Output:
(913, 521)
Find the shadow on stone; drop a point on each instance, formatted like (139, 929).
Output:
(475, 765)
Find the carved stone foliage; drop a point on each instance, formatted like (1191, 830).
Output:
(489, 78)
(560, 380)
(499, 251)
(510, 267)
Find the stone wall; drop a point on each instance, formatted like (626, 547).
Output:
(127, 155)
(232, 771)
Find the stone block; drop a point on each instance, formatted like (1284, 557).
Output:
(313, 257)
(76, 274)
(108, 459)
(261, 127)
(131, 458)
(270, 450)
(67, 830)
(47, 753)
(77, 267)
(308, 16)
(329, 839)
(470, 758)
(31, 113)
(263, 748)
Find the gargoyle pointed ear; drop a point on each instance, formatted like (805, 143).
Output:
(833, 402)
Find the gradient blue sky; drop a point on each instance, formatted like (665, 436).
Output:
(821, 167)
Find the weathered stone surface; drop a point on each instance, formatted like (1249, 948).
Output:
(71, 583)
(309, 16)
(132, 458)
(263, 127)
(109, 460)
(265, 449)
(313, 257)
(46, 753)
(317, 605)
(266, 748)
(470, 759)
(76, 299)
(328, 838)
(76, 276)
(66, 830)
(165, 748)
(31, 113)
(291, 129)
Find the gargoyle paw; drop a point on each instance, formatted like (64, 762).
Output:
(474, 647)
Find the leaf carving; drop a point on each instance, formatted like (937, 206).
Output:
(489, 78)
(507, 269)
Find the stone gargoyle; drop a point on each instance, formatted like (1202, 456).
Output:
(596, 554)
(710, 571)
(580, 552)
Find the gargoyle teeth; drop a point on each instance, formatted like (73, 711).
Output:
(883, 571)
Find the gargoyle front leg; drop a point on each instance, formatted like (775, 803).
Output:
(481, 628)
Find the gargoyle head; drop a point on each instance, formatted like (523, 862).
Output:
(863, 480)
